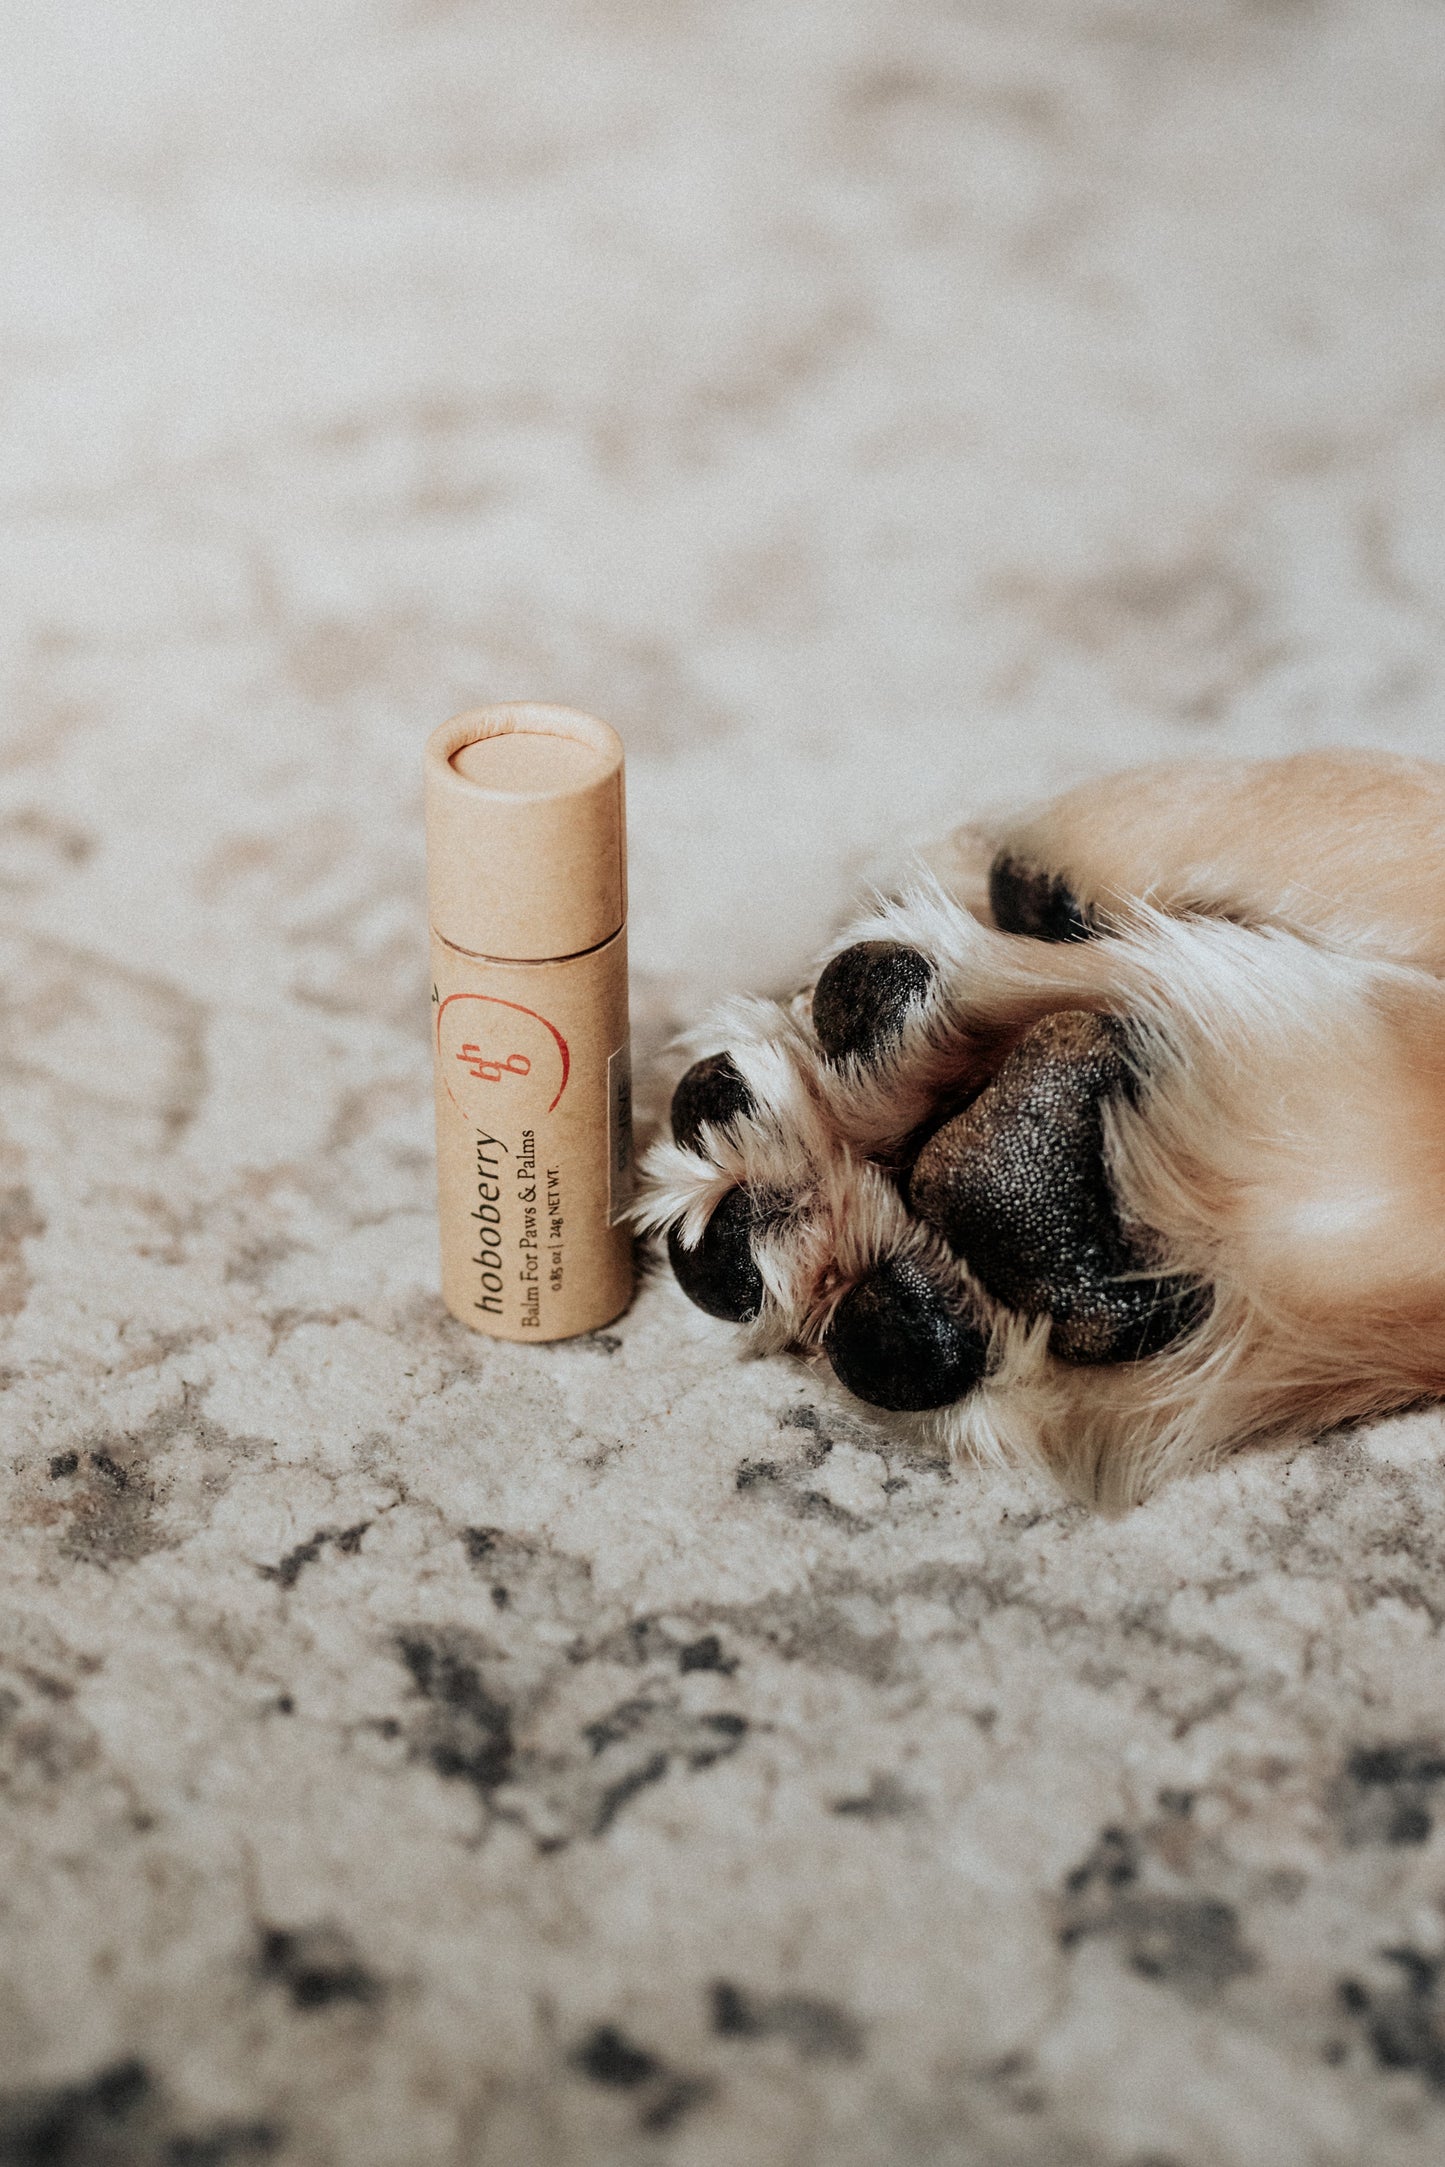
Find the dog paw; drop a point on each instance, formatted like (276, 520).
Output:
(910, 1177)
(1135, 1158)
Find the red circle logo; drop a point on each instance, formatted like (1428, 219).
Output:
(489, 1051)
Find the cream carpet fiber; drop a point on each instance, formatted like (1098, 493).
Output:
(416, 1753)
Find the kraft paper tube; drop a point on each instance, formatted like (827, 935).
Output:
(527, 887)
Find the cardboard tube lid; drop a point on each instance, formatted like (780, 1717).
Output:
(526, 832)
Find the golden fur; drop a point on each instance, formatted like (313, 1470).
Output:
(1276, 932)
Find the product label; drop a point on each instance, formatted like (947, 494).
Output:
(619, 1133)
(534, 1147)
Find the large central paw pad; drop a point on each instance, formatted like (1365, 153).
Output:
(1018, 1184)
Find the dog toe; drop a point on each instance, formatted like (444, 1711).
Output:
(712, 1093)
(895, 1342)
(1026, 899)
(863, 997)
(721, 1274)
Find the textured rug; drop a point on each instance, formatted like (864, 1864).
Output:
(416, 1752)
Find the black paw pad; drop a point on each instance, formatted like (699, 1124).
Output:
(895, 1342)
(1026, 899)
(713, 1092)
(1017, 1184)
(863, 997)
(720, 1274)
(1133, 1319)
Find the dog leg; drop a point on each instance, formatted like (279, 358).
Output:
(1342, 847)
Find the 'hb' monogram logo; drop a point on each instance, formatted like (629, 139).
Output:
(476, 1064)
(497, 1059)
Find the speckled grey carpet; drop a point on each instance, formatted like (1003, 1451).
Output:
(419, 1753)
